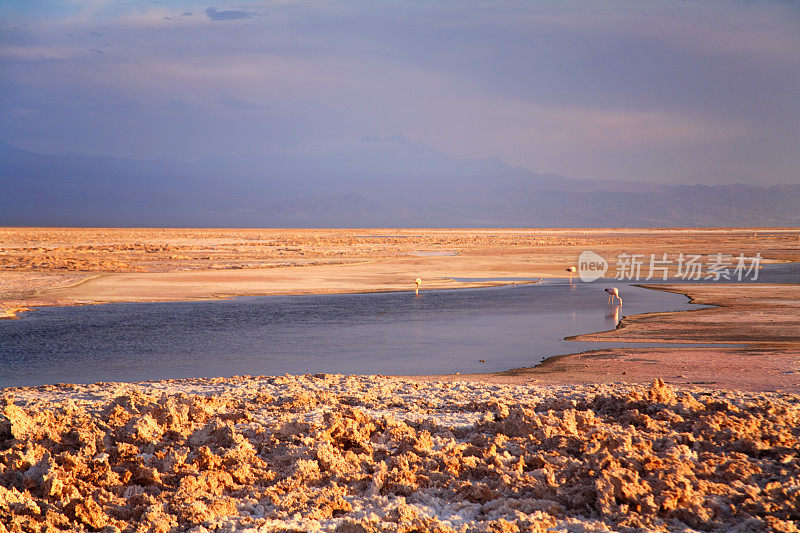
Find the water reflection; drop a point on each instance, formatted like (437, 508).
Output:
(612, 316)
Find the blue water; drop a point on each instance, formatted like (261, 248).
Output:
(380, 333)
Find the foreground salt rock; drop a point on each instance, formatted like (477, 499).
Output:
(368, 453)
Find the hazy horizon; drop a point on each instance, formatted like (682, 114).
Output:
(656, 92)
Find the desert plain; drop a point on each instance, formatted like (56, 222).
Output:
(700, 436)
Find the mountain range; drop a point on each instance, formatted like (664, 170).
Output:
(379, 182)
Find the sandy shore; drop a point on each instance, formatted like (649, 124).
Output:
(369, 454)
(63, 266)
(757, 325)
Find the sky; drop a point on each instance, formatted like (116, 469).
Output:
(644, 91)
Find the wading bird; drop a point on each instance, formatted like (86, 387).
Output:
(571, 271)
(613, 292)
(417, 283)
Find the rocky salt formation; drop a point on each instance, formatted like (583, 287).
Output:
(364, 454)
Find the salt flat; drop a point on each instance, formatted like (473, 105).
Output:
(57, 266)
(371, 453)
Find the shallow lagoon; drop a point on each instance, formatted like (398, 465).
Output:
(441, 331)
(379, 333)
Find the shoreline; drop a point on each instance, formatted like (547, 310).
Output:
(12, 312)
(638, 364)
(774, 341)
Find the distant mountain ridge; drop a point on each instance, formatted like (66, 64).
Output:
(381, 182)
(724, 177)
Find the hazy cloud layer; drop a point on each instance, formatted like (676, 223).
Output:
(629, 90)
(213, 14)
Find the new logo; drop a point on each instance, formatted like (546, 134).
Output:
(591, 266)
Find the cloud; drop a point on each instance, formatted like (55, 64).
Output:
(213, 14)
(605, 88)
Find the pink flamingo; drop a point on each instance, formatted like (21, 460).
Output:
(571, 271)
(613, 292)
